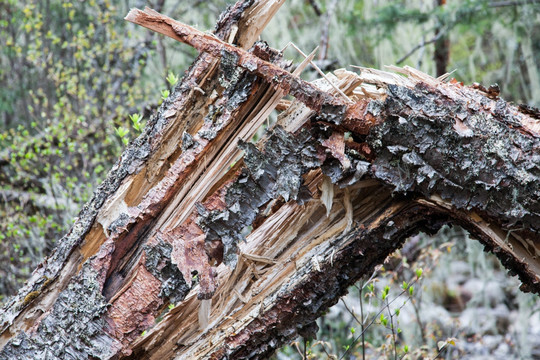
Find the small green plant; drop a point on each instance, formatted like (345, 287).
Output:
(123, 134)
(165, 94)
(136, 122)
(172, 79)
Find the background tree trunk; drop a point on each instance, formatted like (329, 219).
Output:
(441, 55)
(330, 190)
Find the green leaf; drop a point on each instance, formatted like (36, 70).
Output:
(385, 292)
(172, 79)
(121, 131)
(136, 120)
(165, 94)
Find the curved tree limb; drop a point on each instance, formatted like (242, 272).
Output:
(166, 227)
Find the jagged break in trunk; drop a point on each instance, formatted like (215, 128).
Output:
(340, 181)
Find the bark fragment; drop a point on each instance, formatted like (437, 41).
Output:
(74, 327)
(159, 264)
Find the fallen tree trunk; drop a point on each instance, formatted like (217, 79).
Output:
(333, 188)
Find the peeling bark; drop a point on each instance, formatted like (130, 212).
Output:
(271, 234)
(133, 179)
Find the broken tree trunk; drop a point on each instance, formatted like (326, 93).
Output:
(333, 188)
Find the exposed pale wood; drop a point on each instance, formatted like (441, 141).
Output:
(229, 152)
(284, 240)
(143, 165)
(203, 42)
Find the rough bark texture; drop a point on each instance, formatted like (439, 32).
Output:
(329, 191)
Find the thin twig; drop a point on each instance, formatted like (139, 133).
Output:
(315, 7)
(362, 324)
(330, 356)
(350, 311)
(297, 347)
(376, 316)
(392, 328)
(420, 324)
(422, 44)
(440, 351)
(345, 97)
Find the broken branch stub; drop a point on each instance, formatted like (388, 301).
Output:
(329, 108)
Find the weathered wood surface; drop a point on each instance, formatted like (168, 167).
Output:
(326, 195)
(145, 180)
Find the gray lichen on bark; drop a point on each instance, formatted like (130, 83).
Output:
(75, 328)
(462, 152)
(275, 171)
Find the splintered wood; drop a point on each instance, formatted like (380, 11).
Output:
(202, 244)
(303, 91)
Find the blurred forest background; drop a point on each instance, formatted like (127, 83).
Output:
(77, 83)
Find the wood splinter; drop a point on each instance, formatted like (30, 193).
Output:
(307, 93)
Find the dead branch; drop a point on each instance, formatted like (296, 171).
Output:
(207, 43)
(420, 46)
(316, 7)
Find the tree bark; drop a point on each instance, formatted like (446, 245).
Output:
(329, 191)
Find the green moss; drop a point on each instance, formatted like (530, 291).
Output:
(31, 296)
(47, 282)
